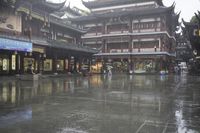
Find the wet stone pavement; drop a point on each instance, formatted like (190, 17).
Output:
(101, 104)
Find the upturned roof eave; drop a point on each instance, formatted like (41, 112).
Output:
(52, 6)
(97, 4)
(123, 13)
(60, 23)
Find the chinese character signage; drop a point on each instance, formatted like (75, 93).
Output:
(9, 44)
(13, 62)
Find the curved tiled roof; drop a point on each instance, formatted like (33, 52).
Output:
(41, 14)
(41, 4)
(138, 12)
(49, 6)
(107, 3)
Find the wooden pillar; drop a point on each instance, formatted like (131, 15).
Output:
(161, 63)
(80, 64)
(130, 44)
(18, 63)
(66, 62)
(22, 71)
(96, 30)
(79, 60)
(75, 64)
(10, 71)
(69, 63)
(131, 25)
(89, 64)
(139, 48)
(104, 46)
(104, 28)
(41, 58)
(139, 23)
(55, 63)
(131, 65)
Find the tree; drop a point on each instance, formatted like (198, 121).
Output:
(194, 20)
(7, 3)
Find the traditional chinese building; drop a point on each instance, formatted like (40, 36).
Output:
(133, 35)
(35, 32)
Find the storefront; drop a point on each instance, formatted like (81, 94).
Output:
(97, 67)
(133, 63)
(4, 63)
(11, 52)
(144, 66)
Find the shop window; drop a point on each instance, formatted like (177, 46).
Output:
(48, 65)
(97, 67)
(5, 64)
(146, 44)
(60, 65)
(27, 62)
(145, 66)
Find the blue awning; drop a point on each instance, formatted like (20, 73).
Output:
(9, 44)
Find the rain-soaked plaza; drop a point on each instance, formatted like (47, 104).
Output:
(101, 104)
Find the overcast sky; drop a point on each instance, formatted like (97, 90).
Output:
(187, 7)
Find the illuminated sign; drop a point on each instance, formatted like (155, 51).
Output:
(9, 44)
(13, 62)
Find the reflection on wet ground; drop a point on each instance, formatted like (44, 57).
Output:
(101, 104)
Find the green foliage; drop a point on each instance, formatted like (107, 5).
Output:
(7, 3)
(194, 19)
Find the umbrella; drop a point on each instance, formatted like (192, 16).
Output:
(109, 67)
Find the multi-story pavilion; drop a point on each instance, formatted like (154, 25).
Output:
(133, 35)
(34, 32)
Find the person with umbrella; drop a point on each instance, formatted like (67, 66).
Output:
(109, 68)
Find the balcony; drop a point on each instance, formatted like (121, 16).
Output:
(119, 50)
(114, 32)
(90, 34)
(135, 50)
